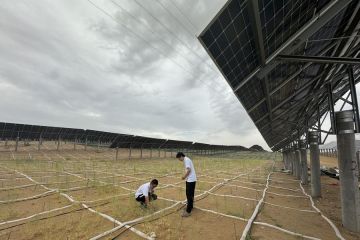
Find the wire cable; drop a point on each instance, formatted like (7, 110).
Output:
(176, 19)
(172, 33)
(146, 41)
(167, 29)
(182, 13)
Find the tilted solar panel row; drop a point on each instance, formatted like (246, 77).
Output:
(245, 39)
(13, 131)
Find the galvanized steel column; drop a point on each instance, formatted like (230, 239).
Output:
(16, 144)
(287, 160)
(297, 162)
(350, 196)
(303, 163)
(315, 164)
(284, 160)
(292, 160)
(358, 161)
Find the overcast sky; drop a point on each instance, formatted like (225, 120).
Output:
(126, 66)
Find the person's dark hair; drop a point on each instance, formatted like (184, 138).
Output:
(155, 182)
(180, 154)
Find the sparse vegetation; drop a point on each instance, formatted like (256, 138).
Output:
(97, 179)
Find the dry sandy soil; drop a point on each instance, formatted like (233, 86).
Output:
(229, 188)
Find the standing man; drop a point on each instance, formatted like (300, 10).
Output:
(145, 193)
(190, 177)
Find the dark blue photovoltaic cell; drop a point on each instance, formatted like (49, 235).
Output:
(230, 41)
(251, 93)
(22, 132)
(283, 90)
(281, 19)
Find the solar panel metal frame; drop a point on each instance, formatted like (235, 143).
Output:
(328, 20)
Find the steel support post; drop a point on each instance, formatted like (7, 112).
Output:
(117, 153)
(315, 164)
(354, 98)
(349, 186)
(287, 160)
(141, 151)
(303, 161)
(16, 144)
(284, 160)
(151, 152)
(75, 140)
(86, 143)
(288, 157)
(58, 144)
(297, 162)
(293, 160)
(130, 151)
(358, 161)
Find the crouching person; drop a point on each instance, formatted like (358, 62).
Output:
(145, 193)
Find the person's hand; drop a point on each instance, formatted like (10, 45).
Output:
(182, 178)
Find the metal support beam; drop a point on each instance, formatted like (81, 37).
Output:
(294, 42)
(331, 108)
(255, 23)
(319, 59)
(354, 104)
(286, 81)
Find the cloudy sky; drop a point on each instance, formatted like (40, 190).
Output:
(126, 66)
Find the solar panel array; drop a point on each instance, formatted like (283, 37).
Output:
(282, 98)
(14, 131)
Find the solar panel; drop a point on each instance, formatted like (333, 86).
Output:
(13, 131)
(231, 43)
(245, 38)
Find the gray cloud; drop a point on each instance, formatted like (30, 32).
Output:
(66, 63)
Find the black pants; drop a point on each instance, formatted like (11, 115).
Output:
(190, 192)
(141, 198)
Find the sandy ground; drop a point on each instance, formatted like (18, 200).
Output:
(330, 204)
(283, 200)
(328, 161)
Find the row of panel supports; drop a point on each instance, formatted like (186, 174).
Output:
(329, 152)
(295, 161)
(130, 149)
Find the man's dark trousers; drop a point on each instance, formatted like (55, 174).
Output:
(190, 192)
